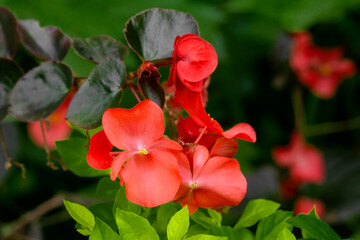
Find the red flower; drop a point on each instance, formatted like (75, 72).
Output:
(321, 70)
(210, 181)
(148, 165)
(193, 60)
(305, 162)
(305, 205)
(55, 127)
(189, 131)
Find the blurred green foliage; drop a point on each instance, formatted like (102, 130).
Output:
(247, 87)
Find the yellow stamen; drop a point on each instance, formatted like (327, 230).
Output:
(193, 186)
(143, 151)
(212, 119)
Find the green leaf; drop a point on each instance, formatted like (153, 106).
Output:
(217, 217)
(121, 202)
(270, 227)
(178, 225)
(134, 227)
(97, 48)
(151, 33)
(103, 211)
(73, 153)
(107, 188)
(9, 40)
(81, 215)
(103, 232)
(205, 220)
(206, 237)
(47, 43)
(10, 73)
(232, 234)
(164, 214)
(256, 210)
(101, 91)
(41, 91)
(84, 132)
(286, 234)
(151, 89)
(314, 227)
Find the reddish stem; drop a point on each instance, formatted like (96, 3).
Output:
(133, 89)
(201, 134)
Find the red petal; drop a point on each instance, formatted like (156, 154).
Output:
(166, 143)
(152, 179)
(197, 59)
(200, 157)
(118, 164)
(136, 128)
(305, 205)
(186, 175)
(99, 156)
(220, 183)
(241, 131)
(224, 147)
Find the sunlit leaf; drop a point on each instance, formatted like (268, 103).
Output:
(178, 224)
(102, 231)
(41, 91)
(151, 33)
(80, 214)
(269, 228)
(47, 43)
(101, 91)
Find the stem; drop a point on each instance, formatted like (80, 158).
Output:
(298, 108)
(162, 62)
(9, 160)
(332, 127)
(171, 121)
(201, 134)
(48, 155)
(133, 89)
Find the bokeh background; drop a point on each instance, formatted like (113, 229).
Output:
(251, 84)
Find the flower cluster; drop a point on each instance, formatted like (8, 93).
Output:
(198, 169)
(321, 70)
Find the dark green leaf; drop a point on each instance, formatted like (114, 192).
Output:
(10, 73)
(232, 234)
(178, 225)
(97, 48)
(73, 153)
(81, 215)
(163, 215)
(256, 210)
(151, 33)
(107, 188)
(104, 212)
(101, 91)
(314, 227)
(134, 227)
(47, 43)
(102, 231)
(206, 237)
(270, 227)
(285, 234)
(9, 40)
(151, 89)
(121, 202)
(41, 91)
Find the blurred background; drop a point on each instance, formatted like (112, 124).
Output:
(251, 84)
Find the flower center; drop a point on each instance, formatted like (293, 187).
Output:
(143, 151)
(193, 186)
(324, 69)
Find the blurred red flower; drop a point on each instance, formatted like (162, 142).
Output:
(149, 163)
(209, 181)
(55, 126)
(305, 162)
(321, 70)
(305, 205)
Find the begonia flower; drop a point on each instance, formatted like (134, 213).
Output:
(210, 181)
(148, 162)
(305, 205)
(189, 131)
(320, 69)
(55, 126)
(305, 162)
